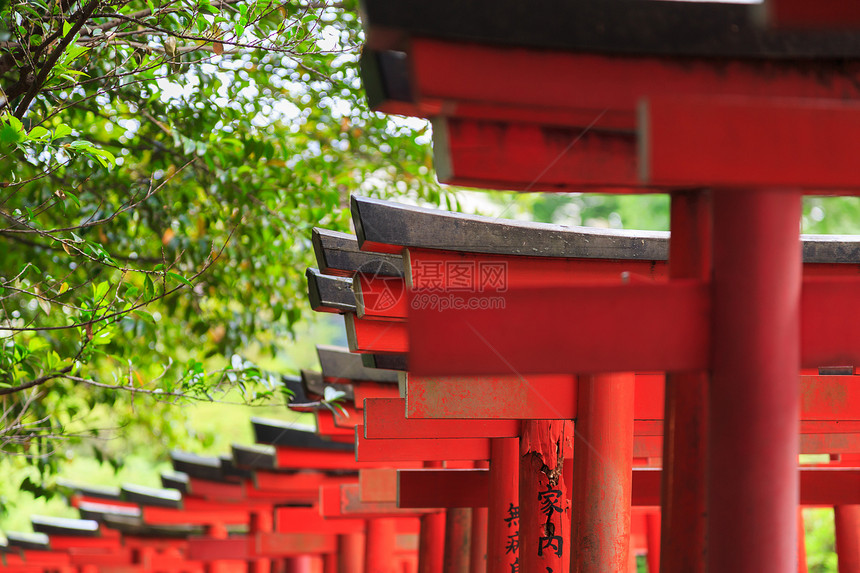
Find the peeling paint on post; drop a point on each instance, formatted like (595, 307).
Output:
(544, 513)
(603, 474)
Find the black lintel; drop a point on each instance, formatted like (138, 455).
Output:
(136, 528)
(258, 457)
(339, 362)
(385, 361)
(98, 511)
(27, 541)
(65, 526)
(389, 223)
(399, 225)
(280, 433)
(330, 293)
(315, 385)
(175, 480)
(204, 467)
(624, 27)
(88, 490)
(231, 471)
(338, 254)
(294, 385)
(152, 496)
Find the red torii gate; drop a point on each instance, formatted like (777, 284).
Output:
(755, 278)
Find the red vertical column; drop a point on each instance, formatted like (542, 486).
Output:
(753, 423)
(478, 545)
(503, 523)
(602, 474)
(652, 538)
(350, 553)
(379, 545)
(458, 535)
(544, 516)
(685, 413)
(801, 543)
(431, 537)
(261, 522)
(846, 521)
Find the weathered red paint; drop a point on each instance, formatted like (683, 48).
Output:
(544, 514)
(431, 545)
(503, 509)
(602, 479)
(683, 543)
(426, 449)
(386, 418)
(753, 421)
(458, 538)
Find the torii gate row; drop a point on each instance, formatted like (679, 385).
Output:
(398, 223)
(753, 138)
(489, 347)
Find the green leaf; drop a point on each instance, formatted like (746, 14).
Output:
(180, 278)
(67, 27)
(62, 130)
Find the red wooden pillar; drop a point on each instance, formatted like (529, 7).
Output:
(350, 552)
(458, 534)
(846, 522)
(503, 523)
(754, 394)
(846, 519)
(652, 536)
(379, 546)
(603, 474)
(544, 516)
(801, 543)
(261, 522)
(431, 540)
(218, 531)
(478, 545)
(685, 413)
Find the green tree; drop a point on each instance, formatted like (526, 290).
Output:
(161, 167)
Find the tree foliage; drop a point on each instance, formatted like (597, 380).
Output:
(161, 167)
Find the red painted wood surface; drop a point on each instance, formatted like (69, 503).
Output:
(168, 516)
(428, 488)
(617, 327)
(369, 390)
(529, 157)
(605, 90)
(683, 540)
(612, 327)
(345, 501)
(824, 14)
(379, 297)
(310, 520)
(458, 539)
(602, 473)
(393, 450)
(818, 136)
(503, 512)
(379, 484)
(753, 420)
(385, 418)
(544, 536)
(375, 336)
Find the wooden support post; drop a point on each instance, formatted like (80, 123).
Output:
(379, 545)
(652, 533)
(431, 540)
(503, 511)
(458, 534)
(801, 543)
(261, 522)
(218, 531)
(544, 516)
(330, 563)
(685, 421)
(846, 519)
(603, 474)
(478, 545)
(754, 401)
(350, 551)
